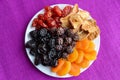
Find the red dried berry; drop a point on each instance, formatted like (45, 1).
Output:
(51, 22)
(48, 14)
(66, 11)
(42, 24)
(47, 8)
(34, 23)
(41, 16)
(57, 11)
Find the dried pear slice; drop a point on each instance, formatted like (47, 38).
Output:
(83, 34)
(84, 14)
(89, 25)
(94, 35)
(75, 20)
(65, 20)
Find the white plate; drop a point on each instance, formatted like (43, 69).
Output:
(42, 68)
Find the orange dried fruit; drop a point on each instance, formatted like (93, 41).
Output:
(59, 66)
(84, 63)
(73, 56)
(83, 44)
(91, 47)
(78, 45)
(80, 56)
(75, 69)
(91, 55)
(64, 69)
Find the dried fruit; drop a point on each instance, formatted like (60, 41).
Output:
(75, 69)
(64, 69)
(59, 66)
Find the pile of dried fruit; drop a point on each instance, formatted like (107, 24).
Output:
(62, 39)
(49, 45)
(80, 58)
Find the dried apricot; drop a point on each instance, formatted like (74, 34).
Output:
(91, 55)
(73, 56)
(91, 47)
(80, 57)
(59, 66)
(84, 63)
(83, 44)
(75, 69)
(64, 69)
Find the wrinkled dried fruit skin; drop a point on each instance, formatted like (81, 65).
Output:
(50, 45)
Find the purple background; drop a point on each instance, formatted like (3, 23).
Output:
(14, 17)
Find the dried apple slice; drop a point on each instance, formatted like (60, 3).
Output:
(64, 20)
(84, 14)
(76, 21)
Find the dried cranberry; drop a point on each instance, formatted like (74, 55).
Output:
(51, 22)
(47, 8)
(34, 23)
(42, 24)
(66, 11)
(47, 14)
(57, 11)
(41, 16)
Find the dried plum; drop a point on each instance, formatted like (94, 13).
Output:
(31, 44)
(76, 37)
(42, 32)
(64, 55)
(33, 52)
(49, 45)
(37, 60)
(69, 49)
(42, 48)
(68, 40)
(60, 41)
(69, 32)
(52, 53)
(58, 47)
(33, 34)
(60, 31)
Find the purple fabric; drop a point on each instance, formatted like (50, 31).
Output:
(14, 17)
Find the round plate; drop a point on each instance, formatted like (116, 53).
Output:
(45, 69)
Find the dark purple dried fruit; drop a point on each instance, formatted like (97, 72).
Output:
(69, 49)
(69, 32)
(76, 37)
(45, 60)
(42, 32)
(51, 43)
(31, 44)
(64, 55)
(73, 44)
(59, 54)
(33, 52)
(52, 53)
(60, 31)
(58, 47)
(37, 60)
(53, 62)
(42, 49)
(33, 34)
(60, 41)
(68, 40)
